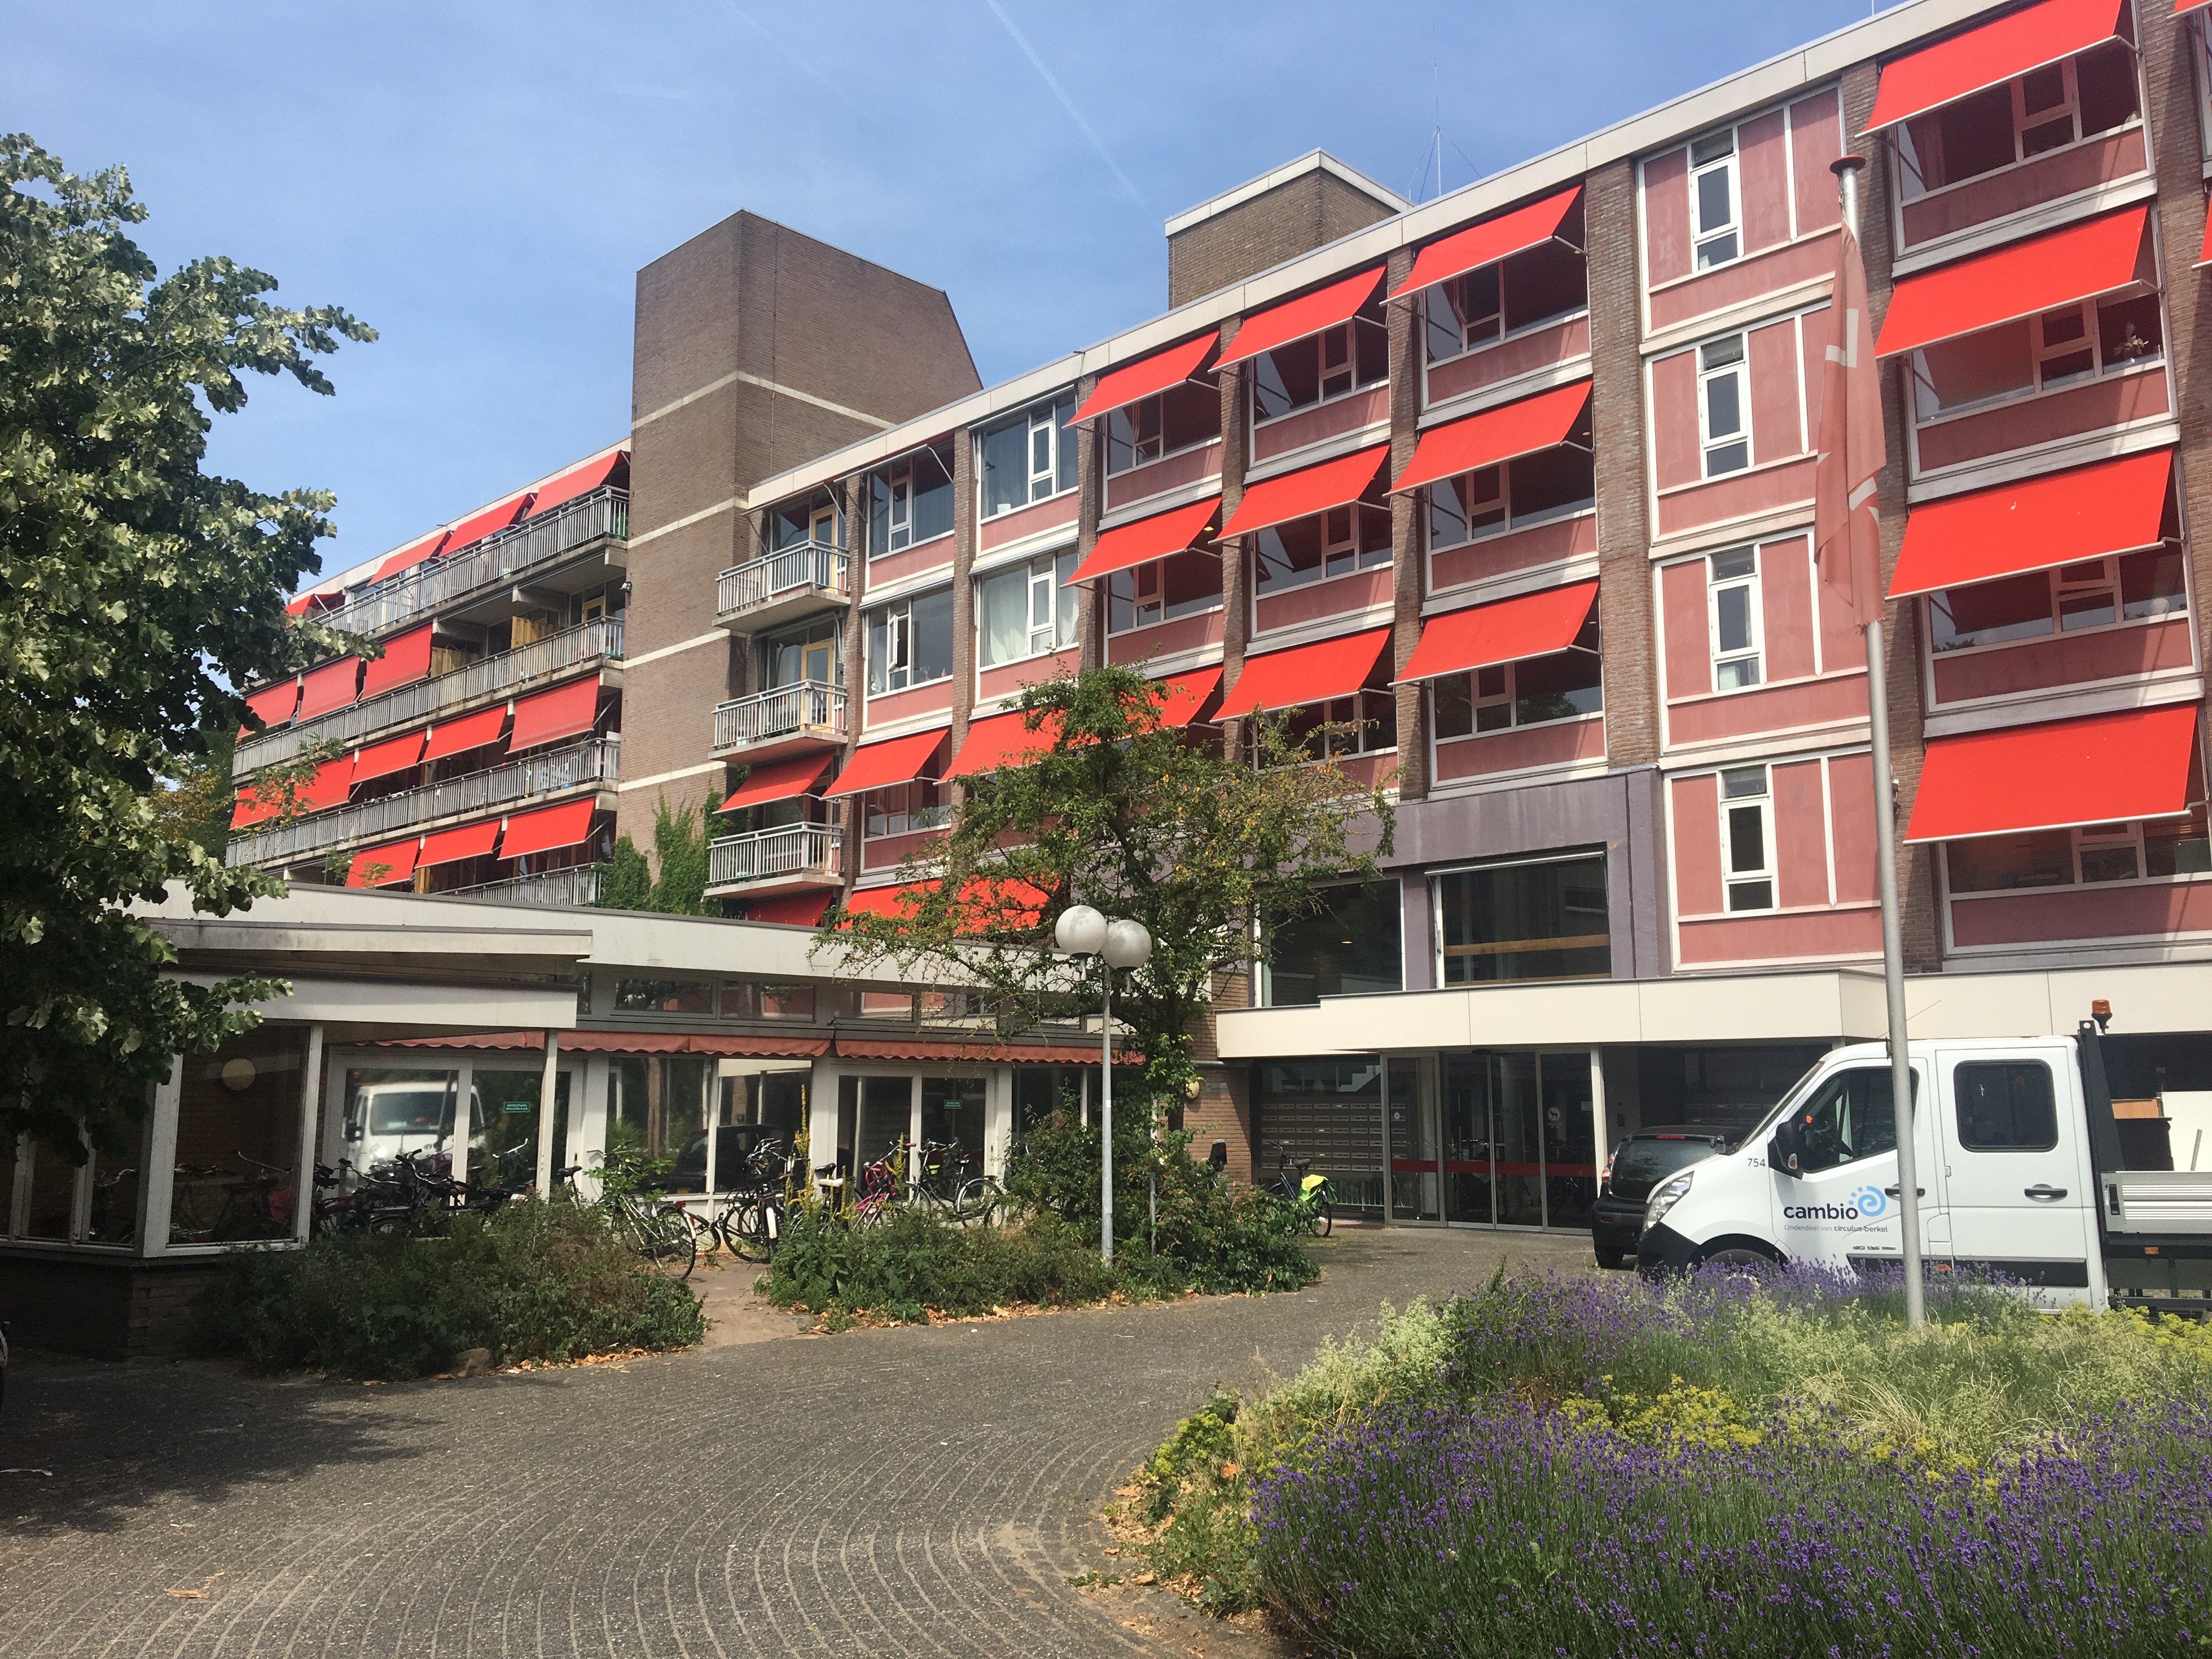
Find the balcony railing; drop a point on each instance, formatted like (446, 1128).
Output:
(807, 710)
(577, 884)
(510, 670)
(596, 761)
(786, 851)
(486, 563)
(785, 578)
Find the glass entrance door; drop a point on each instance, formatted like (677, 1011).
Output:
(1467, 1185)
(1493, 1138)
(1411, 1128)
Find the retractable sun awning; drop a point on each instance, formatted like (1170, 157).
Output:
(1495, 436)
(563, 712)
(578, 480)
(1505, 630)
(390, 865)
(405, 661)
(1145, 376)
(2098, 768)
(1490, 242)
(411, 555)
(381, 760)
(274, 705)
(1311, 489)
(789, 909)
(549, 827)
(778, 781)
(999, 741)
(1156, 537)
(2085, 512)
(330, 687)
(1186, 695)
(2007, 283)
(1305, 673)
(1996, 53)
(1309, 315)
(470, 732)
(486, 520)
(451, 846)
(880, 765)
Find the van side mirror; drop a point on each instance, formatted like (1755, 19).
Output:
(1784, 1147)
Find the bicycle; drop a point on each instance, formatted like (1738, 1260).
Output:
(665, 1235)
(942, 1183)
(751, 1220)
(1313, 1197)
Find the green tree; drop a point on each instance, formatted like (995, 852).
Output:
(135, 591)
(679, 849)
(1121, 809)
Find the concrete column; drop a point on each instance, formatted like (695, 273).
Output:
(311, 1100)
(161, 1164)
(549, 1090)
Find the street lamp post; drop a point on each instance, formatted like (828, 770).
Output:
(1084, 932)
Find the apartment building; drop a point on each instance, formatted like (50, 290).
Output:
(1505, 498)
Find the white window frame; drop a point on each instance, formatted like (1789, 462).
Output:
(2085, 838)
(2040, 352)
(1758, 807)
(898, 646)
(2108, 581)
(1041, 423)
(1042, 583)
(1153, 611)
(1347, 329)
(1704, 238)
(1908, 173)
(899, 485)
(1710, 444)
(1750, 584)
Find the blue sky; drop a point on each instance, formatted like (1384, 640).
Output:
(481, 182)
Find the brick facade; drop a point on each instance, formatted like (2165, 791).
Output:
(1308, 212)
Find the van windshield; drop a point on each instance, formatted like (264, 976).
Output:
(410, 1112)
(1647, 1163)
(1789, 1097)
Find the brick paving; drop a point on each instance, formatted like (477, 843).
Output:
(920, 1491)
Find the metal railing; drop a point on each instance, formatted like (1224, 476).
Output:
(807, 707)
(577, 884)
(426, 699)
(793, 569)
(482, 564)
(596, 761)
(789, 850)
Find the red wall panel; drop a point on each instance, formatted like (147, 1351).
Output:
(1785, 583)
(1675, 419)
(1696, 845)
(1025, 521)
(1763, 182)
(2061, 415)
(1362, 409)
(934, 554)
(1851, 827)
(2101, 161)
(1519, 549)
(2064, 660)
(1689, 639)
(1800, 834)
(1738, 495)
(1794, 263)
(1814, 125)
(1167, 638)
(1346, 596)
(2082, 913)
(1562, 744)
(1004, 682)
(1773, 937)
(1778, 429)
(1667, 216)
(1561, 343)
(1169, 473)
(908, 705)
(1772, 708)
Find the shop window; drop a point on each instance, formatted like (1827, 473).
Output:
(657, 1107)
(1529, 490)
(1322, 366)
(113, 1215)
(2094, 594)
(504, 1125)
(1713, 204)
(1723, 406)
(1146, 595)
(910, 642)
(1181, 417)
(773, 1101)
(1040, 1091)
(909, 502)
(1027, 611)
(904, 808)
(1747, 838)
(2047, 109)
(238, 1138)
(1030, 457)
(1531, 290)
(1534, 691)
(1365, 723)
(952, 1115)
(1538, 918)
(1347, 947)
(2073, 344)
(2149, 849)
(1336, 542)
(1733, 614)
(664, 996)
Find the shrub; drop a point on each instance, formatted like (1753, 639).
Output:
(531, 1281)
(915, 1261)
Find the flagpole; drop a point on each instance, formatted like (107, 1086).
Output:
(1892, 934)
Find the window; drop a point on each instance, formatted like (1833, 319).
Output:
(2046, 109)
(238, 1144)
(904, 808)
(814, 518)
(1563, 686)
(2005, 1106)
(1536, 920)
(1747, 838)
(909, 502)
(664, 996)
(1713, 199)
(1732, 602)
(2149, 849)
(1535, 287)
(1168, 420)
(2094, 594)
(1365, 723)
(1311, 549)
(1028, 458)
(1322, 366)
(1345, 947)
(910, 643)
(804, 655)
(1723, 404)
(1529, 490)
(1853, 1116)
(787, 1002)
(1027, 611)
(1181, 585)
(2075, 344)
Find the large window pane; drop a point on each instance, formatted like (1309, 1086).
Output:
(1975, 368)
(1516, 1129)
(390, 1109)
(1988, 613)
(1006, 617)
(53, 1195)
(1519, 922)
(1348, 947)
(1006, 467)
(115, 1218)
(237, 1138)
(658, 1107)
(503, 1128)
(1996, 864)
(932, 642)
(952, 1112)
(1466, 1091)
(1569, 1141)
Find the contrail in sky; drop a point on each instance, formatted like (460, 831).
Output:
(1068, 103)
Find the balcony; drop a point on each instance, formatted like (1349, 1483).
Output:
(446, 694)
(790, 584)
(596, 761)
(784, 859)
(578, 884)
(483, 569)
(787, 721)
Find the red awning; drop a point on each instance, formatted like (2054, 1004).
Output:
(953, 1048)
(1008, 902)
(780, 780)
(471, 840)
(331, 686)
(1996, 51)
(578, 480)
(274, 704)
(1490, 242)
(470, 732)
(2204, 249)
(1505, 630)
(486, 520)
(790, 909)
(998, 741)
(411, 555)
(879, 765)
(1313, 489)
(397, 862)
(547, 828)
(2013, 282)
(2086, 512)
(2183, 8)
(1308, 314)
(1495, 436)
(1157, 538)
(891, 901)
(2098, 768)
(381, 760)
(1186, 695)
(561, 713)
(624, 1042)
(405, 661)
(1305, 673)
(1145, 376)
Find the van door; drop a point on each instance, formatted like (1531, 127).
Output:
(2013, 1169)
(1843, 1207)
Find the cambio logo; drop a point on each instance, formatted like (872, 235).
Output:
(1870, 1202)
(1865, 1205)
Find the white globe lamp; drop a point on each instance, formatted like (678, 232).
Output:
(1128, 944)
(1080, 931)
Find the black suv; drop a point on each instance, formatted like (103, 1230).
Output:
(1638, 1163)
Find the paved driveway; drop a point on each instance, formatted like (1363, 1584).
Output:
(923, 1492)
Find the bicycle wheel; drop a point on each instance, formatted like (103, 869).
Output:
(980, 1198)
(664, 1237)
(747, 1230)
(1322, 1214)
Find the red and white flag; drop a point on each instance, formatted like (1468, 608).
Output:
(1846, 525)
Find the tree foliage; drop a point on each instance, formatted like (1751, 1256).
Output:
(679, 849)
(1120, 810)
(135, 591)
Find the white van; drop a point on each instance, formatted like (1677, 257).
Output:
(2024, 1170)
(386, 1119)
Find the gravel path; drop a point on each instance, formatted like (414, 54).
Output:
(925, 1492)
